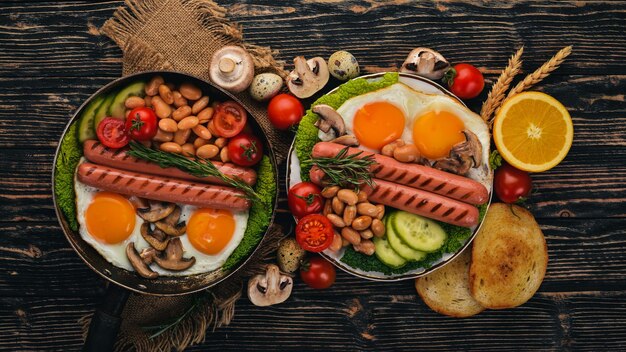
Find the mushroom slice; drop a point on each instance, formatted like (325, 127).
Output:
(471, 147)
(172, 258)
(269, 288)
(308, 77)
(332, 117)
(425, 62)
(463, 156)
(232, 68)
(157, 244)
(156, 211)
(348, 139)
(138, 263)
(147, 255)
(175, 230)
(322, 125)
(139, 203)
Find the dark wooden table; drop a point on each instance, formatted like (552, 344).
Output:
(52, 58)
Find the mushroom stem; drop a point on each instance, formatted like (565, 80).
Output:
(226, 65)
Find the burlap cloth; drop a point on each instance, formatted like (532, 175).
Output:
(182, 35)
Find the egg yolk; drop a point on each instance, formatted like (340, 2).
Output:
(435, 132)
(110, 217)
(377, 124)
(210, 230)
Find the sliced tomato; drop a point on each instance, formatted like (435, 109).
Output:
(112, 133)
(229, 119)
(314, 233)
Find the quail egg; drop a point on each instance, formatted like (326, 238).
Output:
(343, 65)
(265, 86)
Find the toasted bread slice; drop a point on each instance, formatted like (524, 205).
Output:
(509, 258)
(446, 291)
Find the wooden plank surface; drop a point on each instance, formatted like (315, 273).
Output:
(52, 58)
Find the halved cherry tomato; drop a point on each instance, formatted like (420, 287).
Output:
(141, 124)
(229, 119)
(245, 149)
(314, 233)
(512, 185)
(112, 133)
(305, 198)
(318, 273)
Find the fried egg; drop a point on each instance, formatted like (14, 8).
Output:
(108, 222)
(434, 123)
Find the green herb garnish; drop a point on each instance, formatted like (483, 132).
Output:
(495, 160)
(196, 166)
(345, 170)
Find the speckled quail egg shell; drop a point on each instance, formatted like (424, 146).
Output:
(265, 86)
(343, 65)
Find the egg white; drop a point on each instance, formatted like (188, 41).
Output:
(116, 253)
(414, 104)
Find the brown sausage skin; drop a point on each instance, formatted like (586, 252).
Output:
(97, 153)
(416, 201)
(415, 175)
(160, 188)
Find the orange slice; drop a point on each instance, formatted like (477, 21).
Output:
(533, 131)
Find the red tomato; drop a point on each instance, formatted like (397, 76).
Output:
(314, 233)
(465, 81)
(229, 119)
(304, 198)
(318, 273)
(245, 149)
(512, 184)
(112, 133)
(141, 124)
(284, 111)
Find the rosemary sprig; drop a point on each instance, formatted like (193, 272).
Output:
(345, 170)
(197, 166)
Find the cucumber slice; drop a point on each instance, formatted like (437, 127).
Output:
(387, 255)
(117, 107)
(85, 124)
(398, 245)
(102, 111)
(418, 232)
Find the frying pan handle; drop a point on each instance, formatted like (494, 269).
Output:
(106, 321)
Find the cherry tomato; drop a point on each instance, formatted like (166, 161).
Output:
(245, 149)
(112, 133)
(141, 124)
(318, 273)
(314, 233)
(229, 119)
(284, 111)
(465, 81)
(512, 184)
(304, 198)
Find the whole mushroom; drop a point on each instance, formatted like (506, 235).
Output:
(343, 65)
(265, 86)
(308, 77)
(269, 288)
(232, 68)
(425, 62)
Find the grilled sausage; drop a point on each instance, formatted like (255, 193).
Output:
(97, 153)
(414, 201)
(415, 175)
(161, 188)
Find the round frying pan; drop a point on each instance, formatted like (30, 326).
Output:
(105, 323)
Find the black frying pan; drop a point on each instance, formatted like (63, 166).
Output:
(106, 321)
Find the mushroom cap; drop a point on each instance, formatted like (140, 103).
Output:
(425, 62)
(232, 68)
(308, 77)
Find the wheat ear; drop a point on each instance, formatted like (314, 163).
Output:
(542, 72)
(498, 90)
